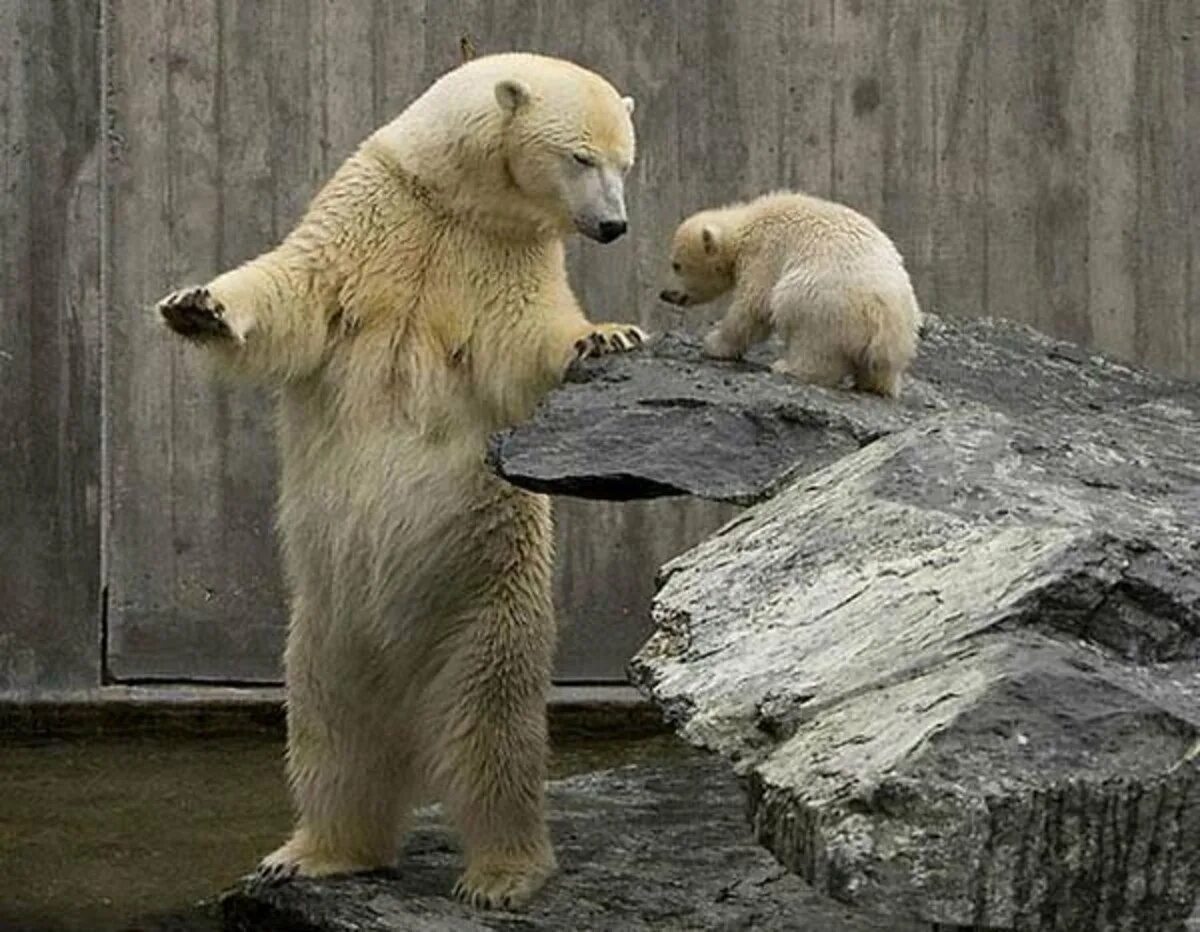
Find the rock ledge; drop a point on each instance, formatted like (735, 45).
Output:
(652, 846)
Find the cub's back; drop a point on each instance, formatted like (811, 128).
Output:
(815, 231)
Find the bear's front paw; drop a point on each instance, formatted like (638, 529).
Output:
(609, 338)
(716, 346)
(508, 887)
(194, 313)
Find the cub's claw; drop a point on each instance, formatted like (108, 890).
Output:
(194, 313)
(609, 338)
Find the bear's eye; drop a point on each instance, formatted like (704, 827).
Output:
(584, 159)
(675, 266)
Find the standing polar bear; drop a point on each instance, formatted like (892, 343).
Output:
(421, 304)
(820, 274)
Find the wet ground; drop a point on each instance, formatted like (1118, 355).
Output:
(129, 833)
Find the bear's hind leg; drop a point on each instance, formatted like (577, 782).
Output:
(824, 366)
(498, 808)
(491, 762)
(351, 787)
(811, 324)
(878, 379)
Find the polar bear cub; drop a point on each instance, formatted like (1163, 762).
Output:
(822, 275)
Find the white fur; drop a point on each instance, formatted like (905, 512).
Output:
(421, 304)
(824, 276)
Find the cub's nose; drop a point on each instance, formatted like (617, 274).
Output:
(611, 229)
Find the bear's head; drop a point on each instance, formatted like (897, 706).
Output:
(702, 260)
(568, 145)
(523, 142)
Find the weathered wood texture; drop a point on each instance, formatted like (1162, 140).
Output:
(1035, 160)
(49, 347)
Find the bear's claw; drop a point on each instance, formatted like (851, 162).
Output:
(499, 889)
(609, 338)
(271, 873)
(478, 899)
(194, 313)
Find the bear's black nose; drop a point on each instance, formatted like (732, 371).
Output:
(611, 229)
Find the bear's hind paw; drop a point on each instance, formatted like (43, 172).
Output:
(270, 874)
(501, 888)
(194, 313)
(301, 860)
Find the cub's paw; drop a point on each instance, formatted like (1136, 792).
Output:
(609, 338)
(501, 887)
(194, 313)
(716, 346)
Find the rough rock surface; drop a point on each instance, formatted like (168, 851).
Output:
(958, 654)
(650, 846)
(664, 421)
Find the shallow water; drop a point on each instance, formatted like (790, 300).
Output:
(129, 833)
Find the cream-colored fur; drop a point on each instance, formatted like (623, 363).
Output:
(823, 276)
(421, 304)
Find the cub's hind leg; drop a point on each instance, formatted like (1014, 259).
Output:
(812, 332)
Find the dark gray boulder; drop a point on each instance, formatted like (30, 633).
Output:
(956, 648)
(664, 421)
(651, 846)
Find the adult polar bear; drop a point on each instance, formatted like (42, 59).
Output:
(421, 304)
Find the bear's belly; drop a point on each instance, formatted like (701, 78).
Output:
(398, 527)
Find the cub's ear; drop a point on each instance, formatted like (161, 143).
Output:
(629, 104)
(512, 95)
(710, 238)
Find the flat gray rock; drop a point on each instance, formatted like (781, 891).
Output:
(665, 421)
(661, 846)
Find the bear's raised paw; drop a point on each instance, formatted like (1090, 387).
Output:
(194, 313)
(609, 338)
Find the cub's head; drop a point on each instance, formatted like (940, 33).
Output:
(567, 141)
(702, 260)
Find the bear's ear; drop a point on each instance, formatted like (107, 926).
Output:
(629, 104)
(512, 95)
(709, 238)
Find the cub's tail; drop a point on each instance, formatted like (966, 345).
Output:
(890, 321)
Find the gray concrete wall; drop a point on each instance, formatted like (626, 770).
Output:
(1034, 159)
(50, 309)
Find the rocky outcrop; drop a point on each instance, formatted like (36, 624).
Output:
(955, 649)
(654, 846)
(664, 421)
